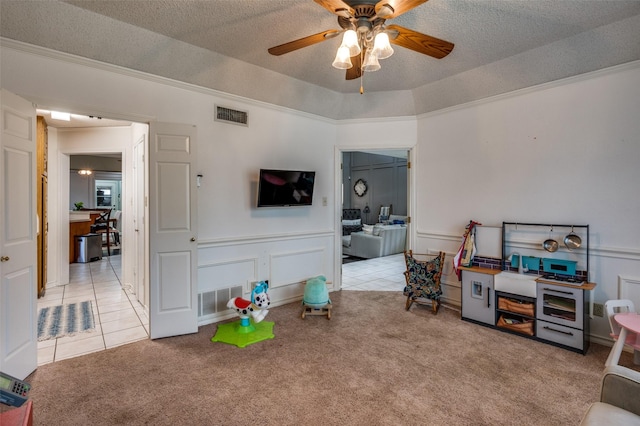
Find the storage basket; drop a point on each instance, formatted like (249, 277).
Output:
(525, 327)
(515, 306)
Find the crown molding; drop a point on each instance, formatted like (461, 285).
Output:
(536, 88)
(103, 66)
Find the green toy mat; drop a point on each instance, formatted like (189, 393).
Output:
(236, 334)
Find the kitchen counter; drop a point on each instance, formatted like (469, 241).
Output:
(79, 224)
(584, 286)
(77, 227)
(80, 215)
(481, 270)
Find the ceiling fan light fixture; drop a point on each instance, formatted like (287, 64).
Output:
(381, 47)
(370, 62)
(366, 38)
(343, 59)
(350, 41)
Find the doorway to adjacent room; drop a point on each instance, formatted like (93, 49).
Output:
(371, 180)
(119, 307)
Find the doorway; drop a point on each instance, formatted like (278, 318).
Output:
(370, 180)
(108, 194)
(171, 256)
(106, 188)
(96, 185)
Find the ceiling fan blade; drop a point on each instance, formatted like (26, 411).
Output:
(303, 42)
(337, 7)
(420, 43)
(398, 7)
(356, 70)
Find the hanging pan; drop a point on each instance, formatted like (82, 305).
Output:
(572, 240)
(550, 244)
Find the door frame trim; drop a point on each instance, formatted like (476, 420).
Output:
(338, 155)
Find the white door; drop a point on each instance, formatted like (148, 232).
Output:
(18, 341)
(172, 230)
(139, 214)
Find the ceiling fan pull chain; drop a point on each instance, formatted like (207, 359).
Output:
(361, 74)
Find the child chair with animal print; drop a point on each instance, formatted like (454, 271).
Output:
(423, 279)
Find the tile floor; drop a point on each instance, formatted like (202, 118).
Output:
(119, 318)
(381, 274)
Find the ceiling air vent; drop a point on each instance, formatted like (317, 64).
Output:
(231, 115)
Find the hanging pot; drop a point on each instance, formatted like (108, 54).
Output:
(550, 244)
(572, 240)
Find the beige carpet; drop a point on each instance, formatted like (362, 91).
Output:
(373, 363)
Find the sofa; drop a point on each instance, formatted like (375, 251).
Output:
(351, 221)
(379, 241)
(619, 399)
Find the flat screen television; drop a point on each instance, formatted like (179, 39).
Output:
(285, 188)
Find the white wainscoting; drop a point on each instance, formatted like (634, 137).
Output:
(227, 273)
(451, 286)
(629, 288)
(286, 261)
(289, 270)
(290, 267)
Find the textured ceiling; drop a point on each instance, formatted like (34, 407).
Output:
(500, 46)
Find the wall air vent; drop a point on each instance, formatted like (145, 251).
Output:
(215, 301)
(233, 116)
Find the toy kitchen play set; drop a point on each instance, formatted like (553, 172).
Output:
(538, 287)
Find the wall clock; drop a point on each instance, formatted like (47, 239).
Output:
(360, 187)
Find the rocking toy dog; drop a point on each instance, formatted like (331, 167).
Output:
(257, 308)
(246, 332)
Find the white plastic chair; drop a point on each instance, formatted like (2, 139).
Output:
(617, 306)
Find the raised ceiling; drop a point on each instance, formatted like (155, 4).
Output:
(500, 46)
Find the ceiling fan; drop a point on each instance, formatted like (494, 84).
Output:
(366, 37)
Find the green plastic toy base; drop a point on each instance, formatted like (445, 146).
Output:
(235, 333)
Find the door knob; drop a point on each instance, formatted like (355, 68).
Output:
(4, 258)
(193, 239)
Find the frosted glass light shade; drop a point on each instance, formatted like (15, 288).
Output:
(382, 47)
(343, 59)
(350, 40)
(370, 62)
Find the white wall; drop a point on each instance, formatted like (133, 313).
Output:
(81, 189)
(564, 153)
(231, 229)
(53, 180)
